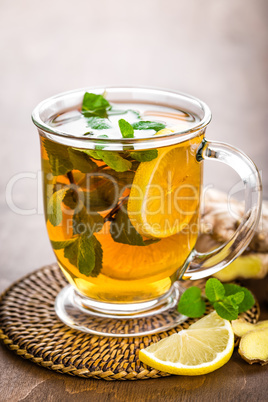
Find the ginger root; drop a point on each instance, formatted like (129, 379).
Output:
(253, 346)
(253, 265)
(242, 327)
(221, 217)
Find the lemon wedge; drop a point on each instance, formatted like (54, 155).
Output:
(204, 347)
(165, 192)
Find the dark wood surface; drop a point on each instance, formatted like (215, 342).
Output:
(215, 50)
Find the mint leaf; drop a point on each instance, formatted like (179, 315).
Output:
(122, 230)
(236, 299)
(191, 303)
(86, 223)
(70, 199)
(84, 252)
(58, 157)
(92, 153)
(54, 213)
(94, 105)
(97, 123)
(98, 257)
(71, 252)
(148, 125)
(226, 309)
(214, 290)
(126, 129)
(144, 156)
(247, 302)
(81, 161)
(57, 245)
(86, 255)
(115, 161)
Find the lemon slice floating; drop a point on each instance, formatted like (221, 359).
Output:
(204, 347)
(165, 192)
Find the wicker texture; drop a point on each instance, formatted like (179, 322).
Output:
(29, 326)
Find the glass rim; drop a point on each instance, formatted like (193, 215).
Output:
(189, 133)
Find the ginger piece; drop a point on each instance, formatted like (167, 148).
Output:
(221, 217)
(252, 265)
(253, 346)
(242, 327)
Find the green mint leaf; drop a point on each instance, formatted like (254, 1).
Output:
(84, 252)
(214, 290)
(191, 303)
(92, 153)
(247, 302)
(86, 255)
(54, 213)
(58, 157)
(226, 309)
(144, 156)
(148, 125)
(237, 298)
(95, 105)
(71, 252)
(86, 223)
(98, 257)
(97, 123)
(81, 161)
(57, 245)
(126, 129)
(115, 161)
(122, 230)
(70, 199)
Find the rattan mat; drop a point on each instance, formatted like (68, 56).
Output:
(29, 326)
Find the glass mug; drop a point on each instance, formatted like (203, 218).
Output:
(124, 228)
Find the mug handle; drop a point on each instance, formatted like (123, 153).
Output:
(200, 265)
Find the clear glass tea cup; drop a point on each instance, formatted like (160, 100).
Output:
(122, 214)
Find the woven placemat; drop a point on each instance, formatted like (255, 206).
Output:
(29, 326)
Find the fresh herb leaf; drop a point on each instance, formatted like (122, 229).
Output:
(97, 123)
(86, 254)
(126, 129)
(98, 257)
(71, 252)
(236, 299)
(58, 157)
(54, 212)
(95, 105)
(92, 153)
(122, 230)
(57, 245)
(191, 303)
(247, 302)
(214, 290)
(148, 125)
(226, 309)
(81, 161)
(144, 156)
(86, 223)
(70, 199)
(114, 161)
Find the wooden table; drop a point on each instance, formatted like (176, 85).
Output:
(215, 50)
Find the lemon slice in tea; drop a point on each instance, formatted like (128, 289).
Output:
(165, 192)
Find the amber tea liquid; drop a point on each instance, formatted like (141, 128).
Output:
(87, 196)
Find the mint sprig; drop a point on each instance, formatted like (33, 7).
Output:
(126, 128)
(148, 125)
(95, 105)
(227, 299)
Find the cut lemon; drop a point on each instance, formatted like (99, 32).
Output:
(165, 192)
(204, 347)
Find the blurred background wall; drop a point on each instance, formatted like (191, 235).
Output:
(214, 50)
